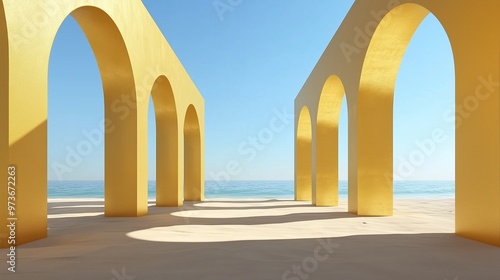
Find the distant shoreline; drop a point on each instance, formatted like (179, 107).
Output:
(247, 199)
(253, 189)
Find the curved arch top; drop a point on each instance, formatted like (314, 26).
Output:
(366, 53)
(130, 57)
(387, 48)
(109, 48)
(330, 102)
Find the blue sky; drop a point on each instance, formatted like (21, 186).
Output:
(249, 63)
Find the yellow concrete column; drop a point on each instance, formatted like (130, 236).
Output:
(477, 119)
(303, 157)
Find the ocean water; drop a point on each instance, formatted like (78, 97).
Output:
(253, 189)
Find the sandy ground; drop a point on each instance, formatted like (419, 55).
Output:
(250, 239)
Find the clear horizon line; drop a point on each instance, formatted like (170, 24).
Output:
(275, 180)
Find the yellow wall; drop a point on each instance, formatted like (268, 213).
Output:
(365, 54)
(134, 60)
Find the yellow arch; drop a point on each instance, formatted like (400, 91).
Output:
(325, 191)
(111, 54)
(375, 108)
(130, 59)
(303, 156)
(167, 144)
(366, 52)
(193, 178)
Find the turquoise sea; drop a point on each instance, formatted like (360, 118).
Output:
(253, 189)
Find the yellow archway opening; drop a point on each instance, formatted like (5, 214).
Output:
(193, 185)
(167, 171)
(372, 182)
(325, 191)
(124, 195)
